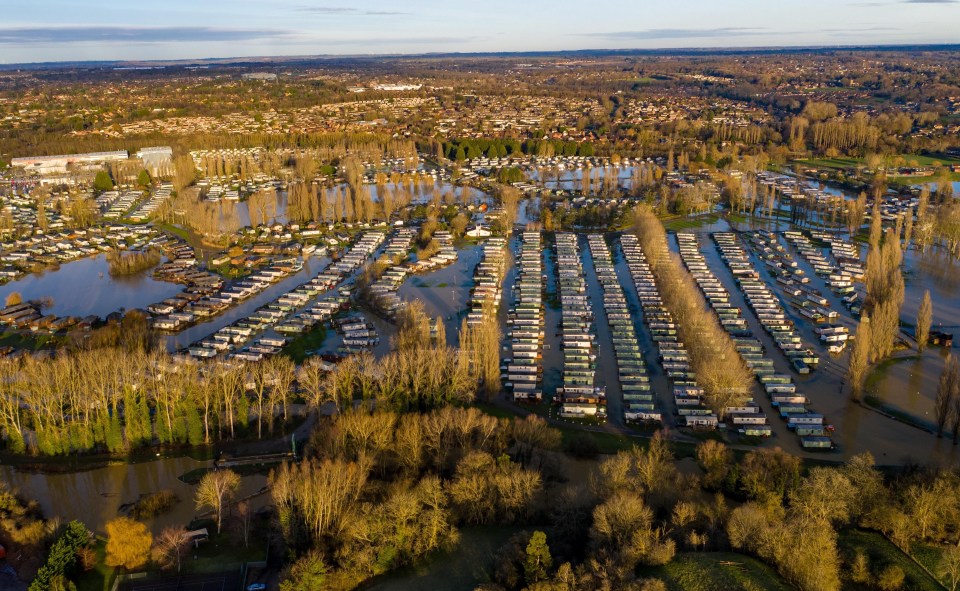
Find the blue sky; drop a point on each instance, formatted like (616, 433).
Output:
(57, 30)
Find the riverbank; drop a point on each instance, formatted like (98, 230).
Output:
(299, 427)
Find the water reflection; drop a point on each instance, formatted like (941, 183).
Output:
(84, 287)
(95, 496)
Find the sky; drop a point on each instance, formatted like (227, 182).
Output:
(73, 30)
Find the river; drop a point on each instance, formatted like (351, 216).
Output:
(95, 496)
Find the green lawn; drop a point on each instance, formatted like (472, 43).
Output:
(100, 578)
(928, 556)
(176, 230)
(687, 222)
(299, 348)
(881, 554)
(853, 162)
(831, 162)
(469, 564)
(30, 341)
(717, 571)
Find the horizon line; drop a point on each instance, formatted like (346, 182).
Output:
(506, 54)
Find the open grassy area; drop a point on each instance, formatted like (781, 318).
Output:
(908, 159)
(469, 564)
(929, 556)
(831, 162)
(881, 554)
(175, 230)
(717, 571)
(224, 551)
(221, 553)
(30, 341)
(101, 576)
(300, 347)
(686, 222)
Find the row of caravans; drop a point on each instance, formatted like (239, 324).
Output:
(285, 315)
(842, 280)
(578, 397)
(688, 396)
(357, 334)
(767, 306)
(487, 288)
(383, 291)
(790, 278)
(746, 416)
(780, 388)
(228, 296)
(524, 370)
(638, 397)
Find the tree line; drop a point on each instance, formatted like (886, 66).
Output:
(720, 370)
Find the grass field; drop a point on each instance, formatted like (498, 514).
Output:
(908, 159)
(717, 571)
(300, 347)
(929, 557)
(881, 554)
(101, 576)
(687, 222)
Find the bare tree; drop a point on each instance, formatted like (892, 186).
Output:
(244, 513)
(170, 545)
(215, 491)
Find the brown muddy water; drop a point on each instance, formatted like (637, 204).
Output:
(95, 496)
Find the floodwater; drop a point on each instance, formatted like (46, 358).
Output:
(445, 293)
(933, 186)
(425, 192)
(420, 193)
(95, 496)
(908, 386)
(85, 286)
(939, 271)
(572, 179)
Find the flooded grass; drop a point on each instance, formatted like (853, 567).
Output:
(905, 388)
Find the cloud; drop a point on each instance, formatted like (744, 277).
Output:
(380, 41)
(121, 34)
(679, 33)
(346, 10)
(929, 1)
(862, 30)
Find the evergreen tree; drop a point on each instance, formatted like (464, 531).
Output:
(538, 561)
(103, 182)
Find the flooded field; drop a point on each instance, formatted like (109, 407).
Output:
(85, 286)
(235, 215)
(104, 490)
(445, 292)
(939, 272)
(572, 179)
(909, 384)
